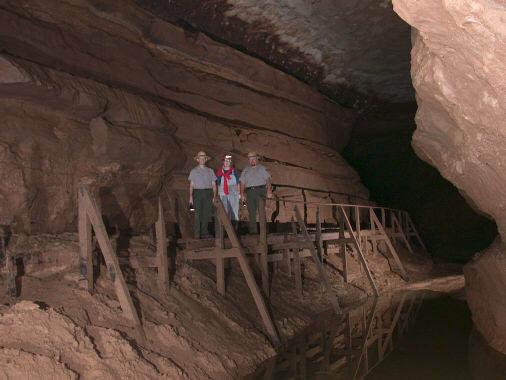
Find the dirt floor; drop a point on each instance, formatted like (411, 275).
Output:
(57, 330)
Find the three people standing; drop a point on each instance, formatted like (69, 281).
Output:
(253, 184)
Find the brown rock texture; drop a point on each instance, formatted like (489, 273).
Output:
(356, 50)
(108, 94)
(458, 70)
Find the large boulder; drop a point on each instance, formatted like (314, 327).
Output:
(458, 64)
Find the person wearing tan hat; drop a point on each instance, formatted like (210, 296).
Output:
(255, 183)
(228, 189)
(202, 194)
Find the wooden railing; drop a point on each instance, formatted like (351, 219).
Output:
(348, 227)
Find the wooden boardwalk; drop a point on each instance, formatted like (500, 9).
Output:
(354, 228)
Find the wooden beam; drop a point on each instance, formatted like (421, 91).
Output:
(388, 339)
(262, 241)
(297, 269)
(360, 253)
(342, 245)
(367, 333)
(390, 246)
(318, 235)
(248, 274)
(413, 228)
(85, 243)
(161, 250)
(220, 245)
(111, 260)
(401, 234)
(209, 254)
(319, 265)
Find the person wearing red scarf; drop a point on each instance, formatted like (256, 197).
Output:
(228, 188)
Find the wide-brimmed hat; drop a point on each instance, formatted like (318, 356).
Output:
(202, 153)
(252, 154)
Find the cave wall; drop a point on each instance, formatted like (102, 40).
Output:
(381, 152)
(356, 51)
(107, 94)
(458, 64)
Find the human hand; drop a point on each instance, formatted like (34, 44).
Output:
(270, 195)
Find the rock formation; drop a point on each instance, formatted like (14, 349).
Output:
(111, 96)
(458, 70)
(355, 50)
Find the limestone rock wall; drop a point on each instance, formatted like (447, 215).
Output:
(109, 95)
(458, 70)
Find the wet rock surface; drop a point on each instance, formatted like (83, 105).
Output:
(458, 72)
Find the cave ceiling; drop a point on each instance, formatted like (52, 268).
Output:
(355, 51)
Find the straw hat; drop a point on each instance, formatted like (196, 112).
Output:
(252, 154)
(202, 154)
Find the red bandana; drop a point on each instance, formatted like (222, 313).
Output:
(226, 177)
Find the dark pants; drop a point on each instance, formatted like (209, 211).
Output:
(203, 203)
(253, 195)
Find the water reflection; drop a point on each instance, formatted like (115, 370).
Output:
(349, 347)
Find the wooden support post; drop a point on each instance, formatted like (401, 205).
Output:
(413, 228)
(388, 339)
(85, 243)
(248, 274)
(319, 265)
(360, 253)
(342, 245)
(264, 264)
(111, 260)
(397, 225)
(297, 265)
(357, 222)
(383, 218)
(161, 250)
(348, 342)
(367, 332)
(8, 262)
(219, 246)
(10, 268)
(318, 235)
(289, 262)
(390, 247)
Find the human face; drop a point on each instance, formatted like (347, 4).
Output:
(227, 162)
(252, 160)
(201, 160)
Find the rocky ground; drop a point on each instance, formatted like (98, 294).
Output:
(56, 329)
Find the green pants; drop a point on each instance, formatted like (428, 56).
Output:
(203, 204)
(252, 199)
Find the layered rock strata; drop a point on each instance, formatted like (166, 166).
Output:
(358, 51)
(111, 96)
(458, 65)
